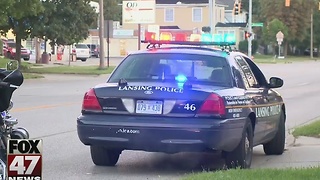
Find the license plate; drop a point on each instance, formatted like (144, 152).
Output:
(149, 107)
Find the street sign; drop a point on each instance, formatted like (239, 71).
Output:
(139, 12)
(257, 25)
(280, 37)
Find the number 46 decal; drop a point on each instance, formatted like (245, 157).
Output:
(190, 107)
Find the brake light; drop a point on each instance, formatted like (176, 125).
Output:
(213, 105)
(90, 102)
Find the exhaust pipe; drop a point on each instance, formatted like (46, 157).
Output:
(19, 133)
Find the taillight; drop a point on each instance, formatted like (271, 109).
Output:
(90, 102)
(213, 105)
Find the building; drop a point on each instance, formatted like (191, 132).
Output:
(186, 14)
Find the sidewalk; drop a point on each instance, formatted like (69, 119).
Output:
(304, 152)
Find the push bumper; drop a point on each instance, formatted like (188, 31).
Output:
(160, 134)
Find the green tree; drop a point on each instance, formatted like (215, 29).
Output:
(256, 9)
(62, 23)
(4, 6)
(18, 20)
(296, 17)
(272, 28)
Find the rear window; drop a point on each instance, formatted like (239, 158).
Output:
(12, 45)
(81, 46)
(198, 69)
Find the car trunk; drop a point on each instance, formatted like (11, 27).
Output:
(152, 98)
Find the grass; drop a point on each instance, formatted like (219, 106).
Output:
(63, 69)
(309, 130)
(257, 174)
(25, 65)
(32, 76)
(289, 59)
(31, 70)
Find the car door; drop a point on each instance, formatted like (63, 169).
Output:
(272, 98)
(258, 95)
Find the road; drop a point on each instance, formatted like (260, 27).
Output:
(48, 108)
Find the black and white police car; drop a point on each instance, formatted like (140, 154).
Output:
(186, 98)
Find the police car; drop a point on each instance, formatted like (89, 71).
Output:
(190, 97)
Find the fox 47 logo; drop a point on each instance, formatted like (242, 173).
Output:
(24, 159)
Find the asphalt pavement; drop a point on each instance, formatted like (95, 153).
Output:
(48, 108)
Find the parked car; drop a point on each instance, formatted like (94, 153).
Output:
(94, 50)
(9, 50)
(307, 52)
(82, 52)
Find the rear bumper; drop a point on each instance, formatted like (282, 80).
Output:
(25, 56)
(154, 134)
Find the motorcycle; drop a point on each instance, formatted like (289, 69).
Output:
(10, 79)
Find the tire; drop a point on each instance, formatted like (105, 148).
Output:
(277, 144)
(104, 157)
(9, 55)
(26, 59)
(241, 156)
(83, 60)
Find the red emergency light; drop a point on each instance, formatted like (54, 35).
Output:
(150, 36)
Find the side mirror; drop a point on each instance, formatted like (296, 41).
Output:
(275, 82)
(12, 65)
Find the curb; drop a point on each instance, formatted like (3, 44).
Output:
(290, 140)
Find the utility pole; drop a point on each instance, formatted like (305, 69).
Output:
(212, 4)
(101, 35)
(311, 35)
(250, 29)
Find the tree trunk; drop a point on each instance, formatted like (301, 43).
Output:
(285, 50)
(38, 55)
(18, 49)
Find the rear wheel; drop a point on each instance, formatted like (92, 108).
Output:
(104, 157)
(9, 55)
(83, 60)
(277, 144)
(241, 156)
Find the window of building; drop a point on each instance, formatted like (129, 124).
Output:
(197, 14)
(169, 15)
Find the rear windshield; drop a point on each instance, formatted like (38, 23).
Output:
(92, 46)
(13, 45)
(199, 69)
(81, 46)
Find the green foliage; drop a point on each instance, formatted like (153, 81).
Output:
(4, 6)
(296, 17)
(243, 46)
(272, 28)
(19, 16)
(62, 23)
(256, 9)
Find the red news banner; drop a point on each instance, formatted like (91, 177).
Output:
(24, 159)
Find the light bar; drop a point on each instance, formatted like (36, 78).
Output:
(192, 43)
(194, 39)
